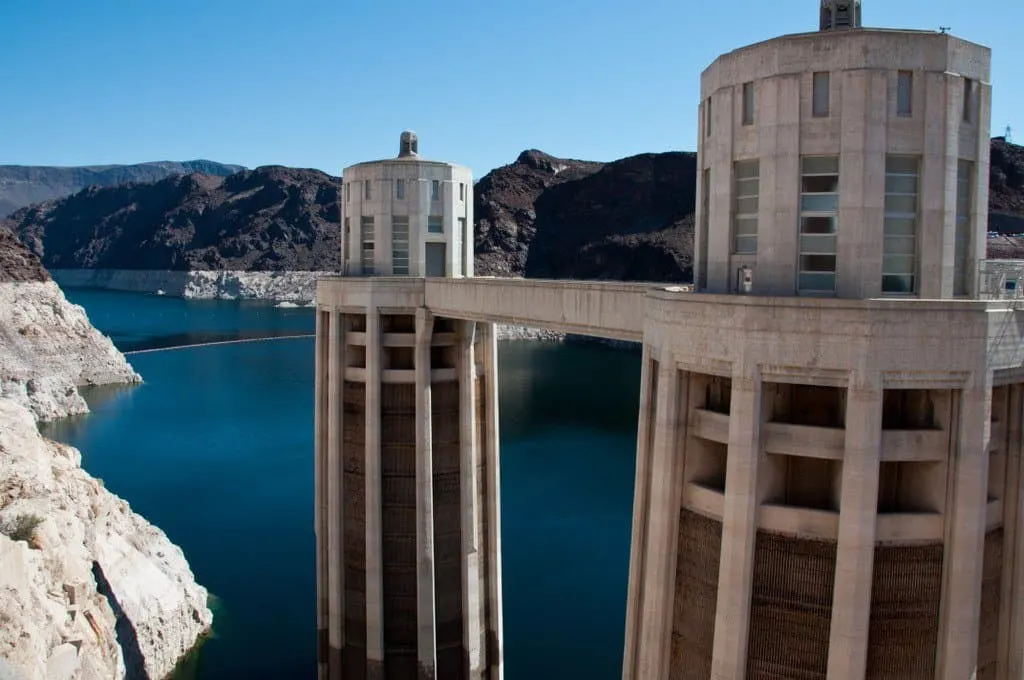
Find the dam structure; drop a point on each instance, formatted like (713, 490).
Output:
(828, 470)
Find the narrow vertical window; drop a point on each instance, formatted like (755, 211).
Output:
(748, 103)
(901, 217)
(820, 95)
(462, 191)
(435, 190)
(819, 212)
(348, 192)
(366, 241)
(968, 99)
(904, 93)
(964, 173)
(345, 250)
(435, 225)
(745, 206)
(400, 245)
(707, 117)
(366, 190)
(400, 189)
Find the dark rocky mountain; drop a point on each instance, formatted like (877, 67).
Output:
(504, 208)
(17, 263)
(270, 218)
(540, 216)
(22, 185)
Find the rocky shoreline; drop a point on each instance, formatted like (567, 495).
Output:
(88, 588)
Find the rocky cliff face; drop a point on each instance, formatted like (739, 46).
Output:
(22, 185)
(88, 588)
(271, 218)
(48, 348)
(504, 202)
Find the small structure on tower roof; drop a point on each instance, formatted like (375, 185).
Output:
(409, 145)
(840, 15)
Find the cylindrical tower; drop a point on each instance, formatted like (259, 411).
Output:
(826, 478)
(407, 216)
(851, 164)
(407, 472)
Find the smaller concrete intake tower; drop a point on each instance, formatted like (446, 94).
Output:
(407, 516)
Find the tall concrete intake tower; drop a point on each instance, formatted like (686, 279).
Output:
(828, 470)
(408, 577)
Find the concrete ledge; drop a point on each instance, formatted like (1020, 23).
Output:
(914, 445)
(827, 443)
(710, 425)
(802, 522)
(704, 500)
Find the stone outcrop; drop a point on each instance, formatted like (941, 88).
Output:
(48, 349)
(269, 219)
(88, 588)
(22, 185)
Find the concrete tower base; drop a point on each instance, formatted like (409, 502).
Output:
(407, 492)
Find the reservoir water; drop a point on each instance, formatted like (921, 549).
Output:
(216, 448)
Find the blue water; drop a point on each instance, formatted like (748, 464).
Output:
(216, 449)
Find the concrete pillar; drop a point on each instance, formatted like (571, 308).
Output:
(426, 615)
(739, 526)
(1011, 624)
(858, 513)
(374, 537)
(662, 526)
(495, 634)
(335, 505)
(965, 532)
(644, 438)
(320, 494)
(473, 601)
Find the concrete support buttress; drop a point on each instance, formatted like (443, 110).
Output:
(374, 537)
(858, 512)
(739, 526)
(1011, 624)
(426, 614)
(335, 482)
(320, 497)
(662, 526)
(965, 547)
(495, 633)
(473, 602)
(634, 596)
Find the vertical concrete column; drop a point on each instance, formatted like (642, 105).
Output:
(374, 526)
(638, 539)
(495, 632)
(320, 494)
(858, 513)
(779, 158)
(938, 207)
(426, 614)
(965, 532)
(1011, 625)
(662, 526)
(739, 526)
(977, 248)
(719, 151)
(472, 598)
(335, 485)
(859, 235)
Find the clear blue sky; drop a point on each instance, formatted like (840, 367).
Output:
(326, 83)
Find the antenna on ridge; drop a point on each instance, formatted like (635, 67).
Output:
(1009, 135)
(945, 29)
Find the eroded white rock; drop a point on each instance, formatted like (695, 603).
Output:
(91, 559)
(48, 349)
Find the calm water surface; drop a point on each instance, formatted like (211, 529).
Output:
(216, 448)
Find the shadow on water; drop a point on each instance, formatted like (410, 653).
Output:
(127, 638)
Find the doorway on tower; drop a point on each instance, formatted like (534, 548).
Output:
(436, 253)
